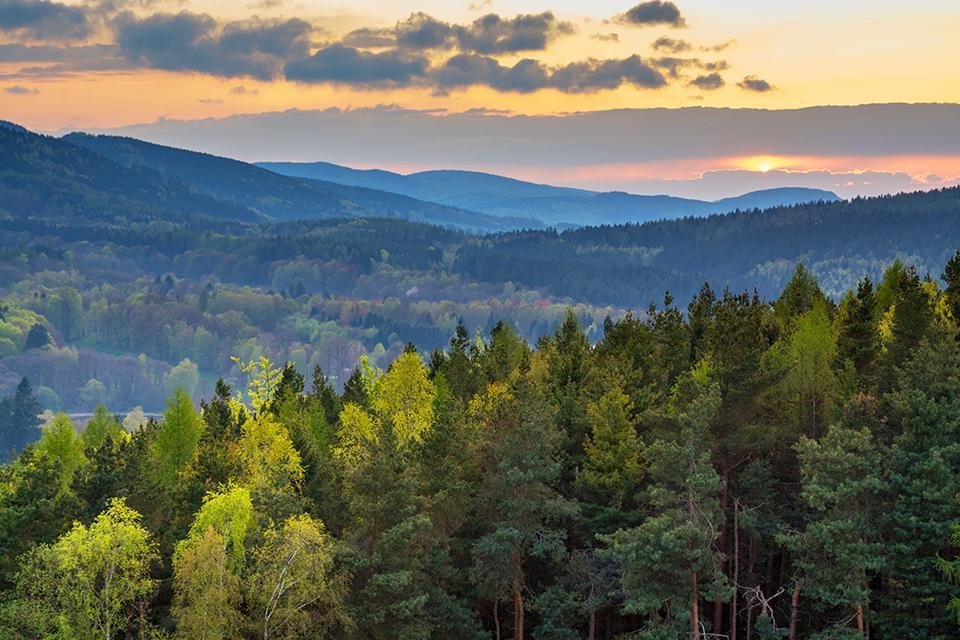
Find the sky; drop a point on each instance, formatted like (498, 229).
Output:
(505, 86)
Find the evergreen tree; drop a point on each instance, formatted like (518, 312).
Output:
(519, 510)
(839, 549)
(923, 471)
(858, 338)
(176, 439)
(19, 420)
(669, 563)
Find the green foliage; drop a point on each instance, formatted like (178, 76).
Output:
(292, 586)
(176, 440)
(613, 448)
(230, 514)
(61, 442)
(101, 427)
(89, 582)
(581, 489)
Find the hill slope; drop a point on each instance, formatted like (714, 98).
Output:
(280, 197)
(44, 176)
(497, 195)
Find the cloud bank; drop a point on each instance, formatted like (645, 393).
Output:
(583, 144)
(419, 51)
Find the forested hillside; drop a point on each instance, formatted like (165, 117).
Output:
(736, 467)
(126, 306)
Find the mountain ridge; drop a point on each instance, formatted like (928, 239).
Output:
(554, 205)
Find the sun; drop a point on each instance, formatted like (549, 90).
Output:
(763, 164)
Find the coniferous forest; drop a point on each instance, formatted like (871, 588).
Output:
(739, 467)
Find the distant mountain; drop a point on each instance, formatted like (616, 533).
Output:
(556, 206)
(280, 197)
(51, 178)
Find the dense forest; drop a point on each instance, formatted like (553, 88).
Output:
(736, 467)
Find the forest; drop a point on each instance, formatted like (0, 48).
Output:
(737, 467)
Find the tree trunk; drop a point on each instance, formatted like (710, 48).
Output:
(722, 544)
(736, 569)
(517, 611)
(794, 609)
(496, 617)
(749, 623)
(592, 630)
(695, 606)
(860, 628)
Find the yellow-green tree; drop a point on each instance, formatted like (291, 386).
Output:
(207, 566)
(92, 579)
(293, 591)
(403, 398)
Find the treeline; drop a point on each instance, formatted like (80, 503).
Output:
(740, 468)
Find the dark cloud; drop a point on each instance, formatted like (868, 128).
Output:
(422, 31)
(653, 12)
(672, 45)
(486, 35)
(196, 42)
(45, 20)
(372, 38)
(492, 34)
(595, 75)
(674, 65)
(54, 53)
(527, 75)
(468, 69)
(20, 90)
(347, 65)
(708, 82)
(753, 83)
(241, 90)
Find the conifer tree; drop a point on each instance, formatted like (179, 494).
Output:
(668, 563)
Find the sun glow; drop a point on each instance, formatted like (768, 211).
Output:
(765, 164)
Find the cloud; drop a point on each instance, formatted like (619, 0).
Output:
(753, 83)
(372, 38)
(493, 34)
(196, 42)
(45, 20)
(489, 34)
(720, 46)
(605, 37)
(670, 44)
(653, 12)
(210, 100)
(20, 90)
(241, 90)
(348, 65)
(593, 75)
(674, 65)
(579, 145)
(708, 82)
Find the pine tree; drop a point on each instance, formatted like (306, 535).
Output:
(839, 549)
(19, 420)
(923, 470)
(668, 563)
(858, 338)
(519, 511)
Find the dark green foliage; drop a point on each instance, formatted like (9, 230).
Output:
(19, 420)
